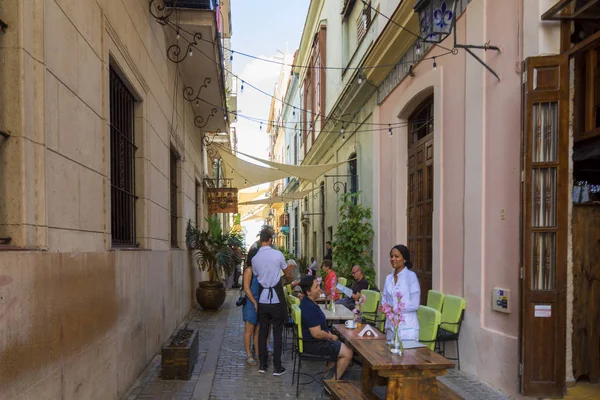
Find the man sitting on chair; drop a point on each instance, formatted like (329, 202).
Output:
(316, 336)
(361, 284)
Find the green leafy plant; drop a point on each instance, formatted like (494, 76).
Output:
(353, 238)
(215, 252)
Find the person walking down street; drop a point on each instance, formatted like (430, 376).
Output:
(267, 264)
(360, 283)
(405, 281)
(330, 279)
(313, 267)
(250, 314)
(329, 251)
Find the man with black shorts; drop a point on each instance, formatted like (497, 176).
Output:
(317, 338)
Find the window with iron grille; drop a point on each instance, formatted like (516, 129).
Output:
(173, 173)
(122, 163)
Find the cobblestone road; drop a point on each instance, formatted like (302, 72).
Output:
(221, 372)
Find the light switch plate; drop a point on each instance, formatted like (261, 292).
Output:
(501, 300)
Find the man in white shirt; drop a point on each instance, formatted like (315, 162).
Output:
(267, 265)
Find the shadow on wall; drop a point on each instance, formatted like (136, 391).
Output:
(52, 306)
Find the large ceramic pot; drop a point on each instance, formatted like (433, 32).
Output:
(210, 295)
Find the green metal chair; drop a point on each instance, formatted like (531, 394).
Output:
(429, 322)
(370, 309)
(301, 355)
(435, 299)
(452, 316)
(342, 281)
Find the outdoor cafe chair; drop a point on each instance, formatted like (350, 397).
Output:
(435, 299)
(452, 317)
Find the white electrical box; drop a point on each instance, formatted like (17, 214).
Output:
(501, 300)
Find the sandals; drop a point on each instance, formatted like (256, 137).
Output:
(251, 361)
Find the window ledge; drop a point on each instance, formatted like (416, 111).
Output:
(128, 249)
(10, 247)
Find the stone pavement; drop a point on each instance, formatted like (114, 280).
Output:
(221, 372)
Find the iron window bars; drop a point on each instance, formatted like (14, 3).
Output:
(122, 162)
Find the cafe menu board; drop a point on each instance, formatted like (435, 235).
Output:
(222, 200)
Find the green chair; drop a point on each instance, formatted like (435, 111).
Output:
(452, 316)
(301, 355)
(342, 281)
(429, 322)
(290, 300)
(369, 311)
(435, 299)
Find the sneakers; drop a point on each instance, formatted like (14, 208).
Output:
(262, 369)
(279, 371)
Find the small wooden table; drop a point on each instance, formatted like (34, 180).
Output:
(349, 334)
(342, 313)
(410, 376)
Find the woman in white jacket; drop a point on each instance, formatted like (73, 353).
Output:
(405, 281)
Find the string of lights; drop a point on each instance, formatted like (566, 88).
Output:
(193, 44)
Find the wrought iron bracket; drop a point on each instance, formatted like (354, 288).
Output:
(188, 92)
(339, 185)
(200, 122)
(5, 134)
(158, 10)
(174, 50)
(468, 47)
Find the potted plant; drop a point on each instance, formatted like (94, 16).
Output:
(218, 254)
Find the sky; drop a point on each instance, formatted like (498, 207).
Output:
(262, 29)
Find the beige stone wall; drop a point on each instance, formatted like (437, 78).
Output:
(78, 320)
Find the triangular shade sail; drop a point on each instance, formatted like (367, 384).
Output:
(261, 213)
(249, 196)
(280, 199)
(245, 174)
(307, 172)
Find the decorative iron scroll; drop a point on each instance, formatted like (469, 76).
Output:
(222, 200)
(188, 92)
(174, 51)
(158, 10)
(200, 122)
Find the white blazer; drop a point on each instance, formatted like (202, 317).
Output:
(408, 285)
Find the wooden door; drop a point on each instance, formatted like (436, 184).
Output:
(586, 293)
(544, 192)
(420, 193)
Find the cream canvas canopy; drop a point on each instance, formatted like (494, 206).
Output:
(280, 199)
(245, 174)
(250, 195)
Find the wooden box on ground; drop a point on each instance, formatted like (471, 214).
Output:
(178, 361)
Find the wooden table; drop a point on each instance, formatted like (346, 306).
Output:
(410, 376)
(342, 313)
(348, 334)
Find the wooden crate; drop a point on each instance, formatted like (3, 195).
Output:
(178, 362)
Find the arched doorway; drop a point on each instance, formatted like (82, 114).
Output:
(420, 193)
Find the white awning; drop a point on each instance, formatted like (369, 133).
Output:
(281, 199)
(250, 195)
(245, 174)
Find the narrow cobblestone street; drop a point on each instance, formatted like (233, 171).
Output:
(221, 372)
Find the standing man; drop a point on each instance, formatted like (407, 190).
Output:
(313, 266)
(267, 264)
(328, 251)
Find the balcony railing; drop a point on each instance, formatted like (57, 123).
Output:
(192, 4)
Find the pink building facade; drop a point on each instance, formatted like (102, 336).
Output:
(463, 168)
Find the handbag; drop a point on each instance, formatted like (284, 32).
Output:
(242, 299)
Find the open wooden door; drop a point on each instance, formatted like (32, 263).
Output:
(544, 192)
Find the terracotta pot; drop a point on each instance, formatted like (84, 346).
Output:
(210, 295)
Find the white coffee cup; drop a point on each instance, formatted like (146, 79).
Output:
(350, 324)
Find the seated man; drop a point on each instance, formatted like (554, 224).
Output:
(360, 284)
(317, 338)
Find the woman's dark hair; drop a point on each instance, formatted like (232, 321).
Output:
(405, 254)
(327, 263)
(306, 283)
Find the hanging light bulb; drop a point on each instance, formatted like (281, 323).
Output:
(343, 132)
(294, 112)
(418, 47)
(190, 53)
(225, 116)
(434, 65)
(364, 17)
(197, 103)
(242, 88)
(178, 35)
(360, 78)
(390, 130)
(261, 126)
(231, 56)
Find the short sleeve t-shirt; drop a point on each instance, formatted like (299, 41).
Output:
(361, 285)
(312, 316)
(329, 286)
(267, 265)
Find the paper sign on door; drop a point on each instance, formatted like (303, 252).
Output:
(542, 311)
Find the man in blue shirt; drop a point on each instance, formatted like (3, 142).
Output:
(316, 336)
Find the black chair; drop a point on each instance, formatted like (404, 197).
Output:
(303, 356)
(453, 312)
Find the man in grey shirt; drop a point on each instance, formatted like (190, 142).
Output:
(267, 265)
